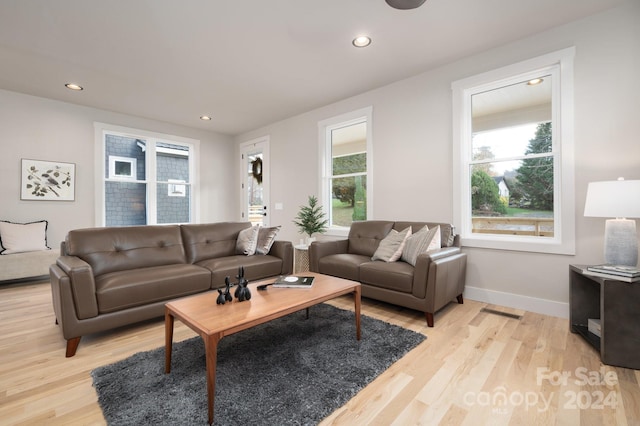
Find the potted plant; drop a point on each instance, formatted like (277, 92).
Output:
(311, 219)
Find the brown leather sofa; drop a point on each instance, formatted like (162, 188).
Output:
(437, 278)
(109, 277)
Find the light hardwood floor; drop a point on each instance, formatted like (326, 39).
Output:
(475, 368)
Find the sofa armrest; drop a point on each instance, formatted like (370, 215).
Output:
(320, 249)
(283, 250)
(444, 280)
(423, 265)
(82, 285)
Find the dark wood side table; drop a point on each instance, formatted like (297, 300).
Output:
(617, 304)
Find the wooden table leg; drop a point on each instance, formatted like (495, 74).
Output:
(168, 340)
(356, 297)
(211, 353)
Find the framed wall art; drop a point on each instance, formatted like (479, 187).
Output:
(47, 180)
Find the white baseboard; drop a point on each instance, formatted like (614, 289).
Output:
(517, 301)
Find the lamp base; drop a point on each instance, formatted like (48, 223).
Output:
(620, 242)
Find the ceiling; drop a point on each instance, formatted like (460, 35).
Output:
(247, 63)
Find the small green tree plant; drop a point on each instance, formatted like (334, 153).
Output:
(360, 205)
(311, 218)
(485, 195)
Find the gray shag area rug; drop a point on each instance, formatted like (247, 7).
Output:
(290, 371)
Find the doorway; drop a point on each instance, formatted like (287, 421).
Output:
(254, 167)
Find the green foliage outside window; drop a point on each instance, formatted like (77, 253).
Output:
(344, 189)
(485, 194)
(535, 175)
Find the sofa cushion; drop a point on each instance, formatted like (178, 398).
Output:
(124, 248)
(23, 237)
(266, 237)
(120, 290)
(391, 246)
(397, 276)
(210, 240)
(342, 265)
(255, 268)
(419, 243)
(365, 236)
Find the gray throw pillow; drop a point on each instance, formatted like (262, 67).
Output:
(391, 246)
(266, 237)
(418, 243)
(247, 241)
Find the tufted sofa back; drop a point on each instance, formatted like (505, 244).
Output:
(211, 240)
(122, 248)
(365, 236)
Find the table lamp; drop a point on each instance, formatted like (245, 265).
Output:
(619, 199)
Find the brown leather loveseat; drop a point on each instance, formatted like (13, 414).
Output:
(437, 278)
(109, 277)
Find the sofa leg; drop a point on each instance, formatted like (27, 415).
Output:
(429, 318)
(72, 346)
(460, 300)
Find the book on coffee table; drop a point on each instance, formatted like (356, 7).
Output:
(292, 281)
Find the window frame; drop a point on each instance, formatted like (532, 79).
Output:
(560, 65)
(151, 182)
(325, 150)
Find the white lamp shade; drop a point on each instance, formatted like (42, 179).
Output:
(616, 198)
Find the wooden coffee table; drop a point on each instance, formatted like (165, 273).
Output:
(212, 322)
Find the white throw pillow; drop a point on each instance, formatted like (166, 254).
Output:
(391, 246)
(247, 241)
(436, 241)
(418, 243)
(23, 237)
(266, 237)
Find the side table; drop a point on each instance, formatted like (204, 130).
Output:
(301, 259)
(617, 304)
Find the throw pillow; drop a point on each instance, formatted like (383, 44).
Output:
(448, 235)
(418, 243)
(266, 237)
(390, 248)
(247, 241)
(436, 241)
(23, 237)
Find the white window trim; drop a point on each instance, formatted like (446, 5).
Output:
(324, 126)
(100, 129)
(563, 242)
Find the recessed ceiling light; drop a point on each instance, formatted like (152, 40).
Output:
(73, 86)
(405, 4)
(534, 81)
(361, 41)
(205, 118)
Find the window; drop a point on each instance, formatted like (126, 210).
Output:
(145, 178)
(122, 168)
(345, 153)
(513, 156)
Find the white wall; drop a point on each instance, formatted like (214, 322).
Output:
(44, 129)
(412, 151)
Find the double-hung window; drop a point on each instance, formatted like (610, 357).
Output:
(513, 156)
(345, 155)
(144, 178)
